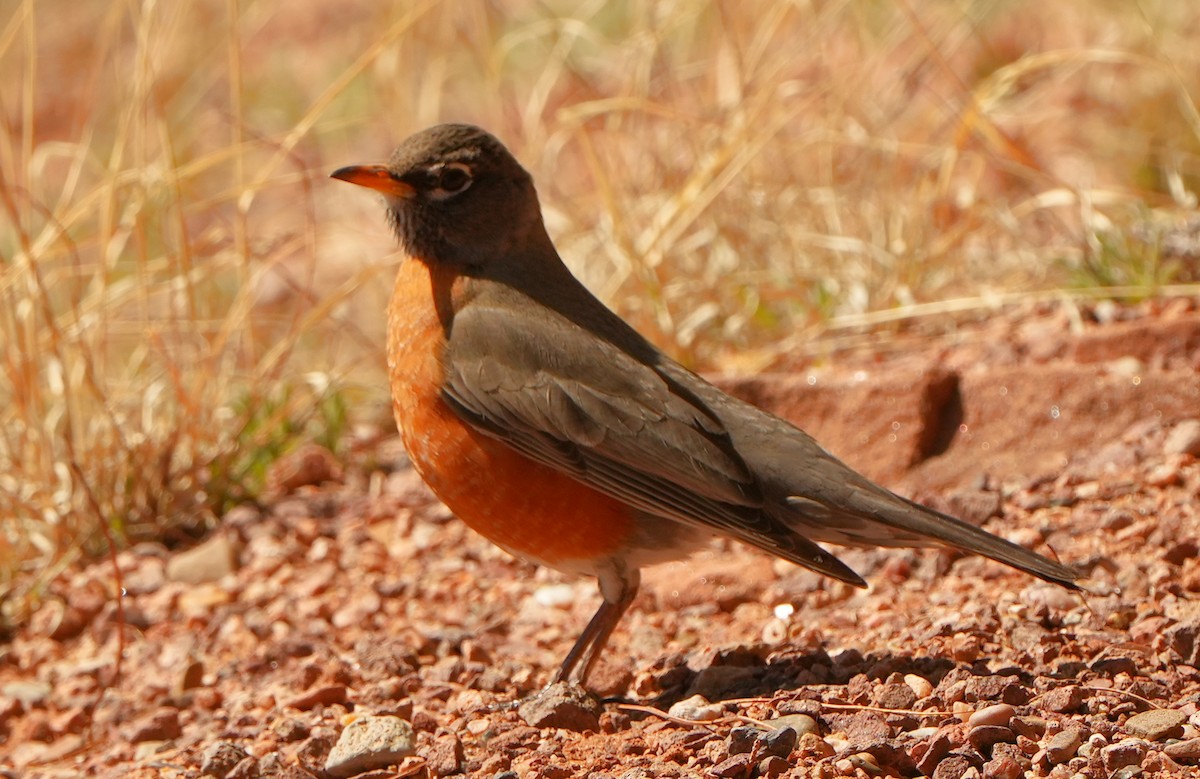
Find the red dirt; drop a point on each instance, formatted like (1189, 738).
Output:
(1062, 429)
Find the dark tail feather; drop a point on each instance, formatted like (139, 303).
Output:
(867, 515)
(901, 513)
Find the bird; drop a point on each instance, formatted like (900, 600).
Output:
(554, 429)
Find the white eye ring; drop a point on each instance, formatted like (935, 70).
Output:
(443, 174)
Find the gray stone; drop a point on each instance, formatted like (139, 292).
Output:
(779, 742)
(564, 706)
(1156, 724)
(741, 739)
(370, 743)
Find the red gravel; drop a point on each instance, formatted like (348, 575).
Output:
(361, 596)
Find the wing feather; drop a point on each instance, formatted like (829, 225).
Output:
(583, 406)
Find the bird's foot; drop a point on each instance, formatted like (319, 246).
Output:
(557, 705)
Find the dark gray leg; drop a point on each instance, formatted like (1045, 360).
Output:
(587, 649)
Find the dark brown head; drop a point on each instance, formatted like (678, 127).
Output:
(456, 196)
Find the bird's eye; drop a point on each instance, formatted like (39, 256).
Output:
(450, 179)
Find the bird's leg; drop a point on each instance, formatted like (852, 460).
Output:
(618, 591)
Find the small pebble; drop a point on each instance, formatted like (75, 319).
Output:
(1188, 750)
(1094, 744)
(984, 737)
(1003, 768)
(801, 723)
(369, 743)
(247, 768)
(929, 754)
(1184, 438)
(955, 766)
(735, 765)
(741, 739)
(219, 759)
(1156, 724)
(1123, 754)
(1061, 746)
(559, 595)
(561, 706)
(160, 725)
(1063, 700)
(779, 742)
(1165, 474)
(207, 562)
(1030, 727)
(773, 766)
(865, 761)
(919, 685)
(697, 708)
(445, 756)
(1128, 772)
(999, 714)
(812, 745)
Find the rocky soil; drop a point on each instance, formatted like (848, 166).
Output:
(351, 626)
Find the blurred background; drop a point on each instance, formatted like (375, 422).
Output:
(185, 296)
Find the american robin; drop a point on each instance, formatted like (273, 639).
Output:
(554, 429)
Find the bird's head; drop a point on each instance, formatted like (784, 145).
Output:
(455, 196)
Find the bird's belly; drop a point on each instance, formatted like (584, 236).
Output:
(529, 509)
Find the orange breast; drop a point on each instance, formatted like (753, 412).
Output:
(529, 509)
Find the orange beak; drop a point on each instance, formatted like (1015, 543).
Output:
(376, 177)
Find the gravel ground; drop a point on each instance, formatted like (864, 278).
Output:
(351, 626)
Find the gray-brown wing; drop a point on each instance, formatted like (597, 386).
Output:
(570, 400)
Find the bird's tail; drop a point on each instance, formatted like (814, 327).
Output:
(872, 516)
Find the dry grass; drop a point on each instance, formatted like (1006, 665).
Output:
(183, 295)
